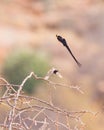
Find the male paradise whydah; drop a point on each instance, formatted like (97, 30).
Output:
(63, 41)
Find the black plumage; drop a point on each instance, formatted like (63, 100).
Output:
(63, 41)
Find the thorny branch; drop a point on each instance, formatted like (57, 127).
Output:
(28, 112)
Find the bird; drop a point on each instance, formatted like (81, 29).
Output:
(64, 42)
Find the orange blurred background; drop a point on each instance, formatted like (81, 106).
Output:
(34, 24)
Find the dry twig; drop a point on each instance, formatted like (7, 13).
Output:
(39, 118)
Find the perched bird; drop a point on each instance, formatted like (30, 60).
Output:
(63, 41)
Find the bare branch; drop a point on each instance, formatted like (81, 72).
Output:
(29, 112)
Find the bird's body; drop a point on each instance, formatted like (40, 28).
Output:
(63, 41)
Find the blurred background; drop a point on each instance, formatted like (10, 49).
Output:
(28, 43)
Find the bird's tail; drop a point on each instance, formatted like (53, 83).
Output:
(73, 56)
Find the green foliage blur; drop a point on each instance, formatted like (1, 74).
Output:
(19, 64)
